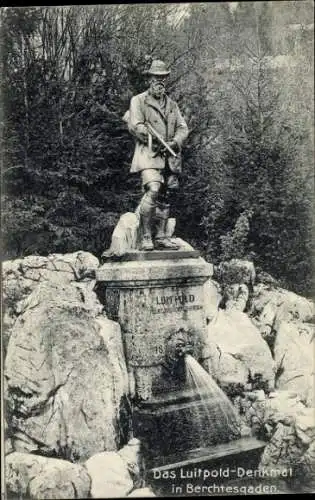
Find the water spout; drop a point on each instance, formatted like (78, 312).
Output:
(216, 410)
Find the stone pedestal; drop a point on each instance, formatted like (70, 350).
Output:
(158, 301)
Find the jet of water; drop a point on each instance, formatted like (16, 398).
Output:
(216, 410)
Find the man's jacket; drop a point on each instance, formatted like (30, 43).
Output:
(168, 122)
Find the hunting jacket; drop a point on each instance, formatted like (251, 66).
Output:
(168, 122)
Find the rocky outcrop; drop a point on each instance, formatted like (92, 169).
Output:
(65, 375)
(289, 429)
(238, 353)
(114, 474)
(236, 297)
(21, 276)
(270, 305)
(292, 446)
(263, 413)
(294, 357)
(38, 477)
(212, 299)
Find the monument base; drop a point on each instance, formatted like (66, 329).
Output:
(157, 300)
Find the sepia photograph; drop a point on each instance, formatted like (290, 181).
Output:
(157, 232)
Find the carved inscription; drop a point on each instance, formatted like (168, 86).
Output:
(175, 302)
(145, 350)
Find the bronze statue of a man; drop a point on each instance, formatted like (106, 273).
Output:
(153, 114)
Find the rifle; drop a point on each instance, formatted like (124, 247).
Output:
(160, 139)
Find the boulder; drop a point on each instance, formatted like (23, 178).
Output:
(238, 353)
(109, 474)
(283, 406)
(113, 474)
(294, 357)
(236, 297)
(212, 299)
(38, 477)
(282, 419)
(283, 450)
(142, 493)
(271, 304)
(292, 445)
(305, 426)
(7, 444)
(306, 467)
(263, 413)
(65, 375)
(21, 276)
(266, 278)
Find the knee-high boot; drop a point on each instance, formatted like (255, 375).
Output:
(162, 241)
(147, 210)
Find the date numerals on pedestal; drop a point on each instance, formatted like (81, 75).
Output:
(159, 349)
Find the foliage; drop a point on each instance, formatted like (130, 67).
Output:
(69, 74)
(234, 243)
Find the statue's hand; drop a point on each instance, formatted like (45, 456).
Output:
(144, 138)
(173, 145)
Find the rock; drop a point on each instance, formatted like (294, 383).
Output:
(282, 405)
(109, 474)
(226, 369)
(289, 426)
(124, 237)
(294, 357)
(237, 350)
(170, 227)
(212, 300)
(236, 271)
(259, 395)
(305, 426)
(266, 278)
(283, 448)
(142, 493)
(131, 455)
(64, 387)
(114, 475)
(44, 478)
(21, 277)
(264, 414)
(270, 305)
(293, 446)
(111, 333)
(8, 447)
(236, 297)
(245, 430)
(306, 467)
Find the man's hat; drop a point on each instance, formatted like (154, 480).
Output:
(158, 68)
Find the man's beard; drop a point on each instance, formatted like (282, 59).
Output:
(158, 91)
